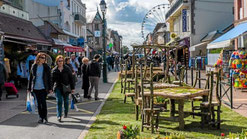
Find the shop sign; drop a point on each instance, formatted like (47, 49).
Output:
(184, 20)
(80, 42)
(97, 33)
(72, 41)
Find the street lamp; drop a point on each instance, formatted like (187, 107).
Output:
(103, 8)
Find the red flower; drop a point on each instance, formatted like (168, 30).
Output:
(124, 127)
(222, 134)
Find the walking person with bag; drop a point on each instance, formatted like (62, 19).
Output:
(40, 84)
(85, 77)
(63, 85)
(94, 75)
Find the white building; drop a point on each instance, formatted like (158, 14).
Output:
(69, 15)
(194, 19)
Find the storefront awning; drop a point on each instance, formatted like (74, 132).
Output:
(225, 40)
(193, 48)
(60, 42)
(73, 49)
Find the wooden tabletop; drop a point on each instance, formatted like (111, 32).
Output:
(191, 93)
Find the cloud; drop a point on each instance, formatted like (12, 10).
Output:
(125, 16)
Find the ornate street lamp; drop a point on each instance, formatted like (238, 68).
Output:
(103, 8)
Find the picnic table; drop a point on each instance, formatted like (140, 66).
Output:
(179, 95)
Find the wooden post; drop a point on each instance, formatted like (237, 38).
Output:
(231, 92)
(143, 99)
(181, 113)
(167, 64)
(133, 63)
(192, 82)
(151, 98)
(176, 61)
(136, 93)
(199, 76)
(172, 108)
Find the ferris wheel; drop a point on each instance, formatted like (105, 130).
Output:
(154, 16)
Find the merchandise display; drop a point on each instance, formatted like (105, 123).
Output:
(238, 64)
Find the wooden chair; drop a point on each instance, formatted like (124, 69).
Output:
(129, 81)
(149, 112)
(199, 98)
(208, 110)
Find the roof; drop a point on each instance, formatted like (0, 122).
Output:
(159, 26)
(92, 15)
(59, 30)
(89, 33)
(15, 26)
(211, 36)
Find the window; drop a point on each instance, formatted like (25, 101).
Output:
(97, 40)
(96, 26)
(245, 8)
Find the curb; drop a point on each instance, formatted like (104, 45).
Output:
(93, 118)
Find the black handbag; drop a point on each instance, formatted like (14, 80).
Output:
(76, 97)
(66, 89)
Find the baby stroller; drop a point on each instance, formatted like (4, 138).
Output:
(11, 90)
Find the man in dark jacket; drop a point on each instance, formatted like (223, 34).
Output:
(3, 78)
(94, 75)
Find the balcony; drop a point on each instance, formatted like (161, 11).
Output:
(80, 19)
(174, 7)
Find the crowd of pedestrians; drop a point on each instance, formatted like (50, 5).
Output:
(61, 80)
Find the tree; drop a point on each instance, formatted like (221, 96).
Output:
(125, 49)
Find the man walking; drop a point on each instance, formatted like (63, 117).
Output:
(94, 75)
(3, 78)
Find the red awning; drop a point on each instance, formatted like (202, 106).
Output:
(73, 49)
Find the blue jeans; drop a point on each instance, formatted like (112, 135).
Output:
(60, 100)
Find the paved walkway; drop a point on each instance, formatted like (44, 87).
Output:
(16, 123)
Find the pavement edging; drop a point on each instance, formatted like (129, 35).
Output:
(92, 120)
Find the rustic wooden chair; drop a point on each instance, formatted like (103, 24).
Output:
(208, 108)
(129, 82)
(149, 112)
(193, 107)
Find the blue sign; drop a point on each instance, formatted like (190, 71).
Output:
(184, 20)
(80, 42)
(72, 41)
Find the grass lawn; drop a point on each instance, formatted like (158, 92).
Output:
(115, 114)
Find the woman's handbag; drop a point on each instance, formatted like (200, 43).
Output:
(76, 97)
(66, 89)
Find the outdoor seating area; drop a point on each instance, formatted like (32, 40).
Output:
(160, 99)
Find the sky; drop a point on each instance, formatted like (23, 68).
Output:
(125, 16)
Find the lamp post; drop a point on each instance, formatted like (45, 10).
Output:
(103, 8)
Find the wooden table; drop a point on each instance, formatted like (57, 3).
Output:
(180, 98)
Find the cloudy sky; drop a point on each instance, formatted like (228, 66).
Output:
(125, 16)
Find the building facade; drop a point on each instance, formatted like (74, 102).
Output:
(95, 29)
(194, 19)
(69, 15)
(240, 16)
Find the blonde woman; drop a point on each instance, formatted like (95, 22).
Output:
(40, 84)
(85, 77)
(62, 76)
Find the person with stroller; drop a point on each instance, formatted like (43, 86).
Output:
(40, 84)
(62, 79)
(85, 77)
(3, 78)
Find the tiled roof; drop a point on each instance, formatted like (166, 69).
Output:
(12, 25)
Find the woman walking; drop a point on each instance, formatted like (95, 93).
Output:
(62, 79)
(40, 84)
(85, 77)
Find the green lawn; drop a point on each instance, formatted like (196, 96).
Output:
(115, 113)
